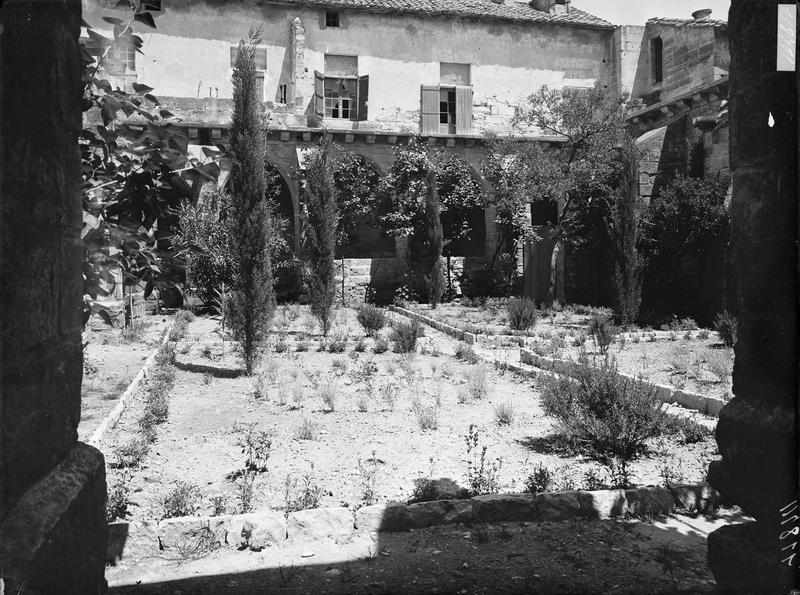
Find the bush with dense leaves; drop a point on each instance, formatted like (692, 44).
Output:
(727, 327)
(522, 313)
(603, 332)
(613, 415)
(371, 318)
(404, 336)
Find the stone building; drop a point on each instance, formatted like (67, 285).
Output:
(373, 73)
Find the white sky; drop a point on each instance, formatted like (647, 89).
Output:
(636, 12)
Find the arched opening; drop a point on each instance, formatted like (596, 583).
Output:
(357, 180)
(284, 224)
(463, 204)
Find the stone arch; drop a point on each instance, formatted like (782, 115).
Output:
(475, 246)
(365, 239)
(288, 201)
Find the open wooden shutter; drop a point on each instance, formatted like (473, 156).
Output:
(430, 109)
(463, 110)
(363, 97)
(319, 96)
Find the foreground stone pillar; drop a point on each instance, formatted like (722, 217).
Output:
(756, 430)
(52, 489)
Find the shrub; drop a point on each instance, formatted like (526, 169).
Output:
(132, 452)
(308, 430)
(368, 473)
(613, 415)
(329, 395)
(703, 334)
(381, 346)
(541, 480)
(363, 403)
(427, 415)
(281, 345)
(302, 345)
(727, 326)
(182, 499)
(371, 319)
(602, 332)
(504, 413)
(481, 474)
(593, 481)
(338, 344)
(360, 346)
(389, 392)
(466, 353)
(245, 489)
(477, 378)
(405, 335)
(688, 430)
(118, 501)
(304, 497)
(522, 313)
(219, 505)
(255, 446)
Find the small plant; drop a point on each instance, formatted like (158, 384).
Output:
(404, 336)
(219, 505)
(281, 345)
(522, 313)
(504, 413)
(362, 403)
(482, 475)
(298, 394)
(687, 336)
(371, 319)
(727, 326)
(703, 334)
(302, 345)
(255, 446)
(602, 332)
(132, 452)
(389, 391)
(689, 431)
(465, 353)
(592, 480)
(245, 490)
(118, 501)
(360, 346)
(182, 499)
(208, 378)
(338, 343)
(477, 378)
(305, 496)
(381, 345)
(329, 394)
(541, 480)
(672, 336)
(368, 473)
(308, 430)
(427, 415)
(339, 366)
(579, 340)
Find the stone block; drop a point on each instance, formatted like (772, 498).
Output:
(557, 506)
(132, 541)
(334, 523)
(602, 504)
(382, 517)
(439, 512)
(649, 501)
(255, 530)
(189, 535)
(493, 508)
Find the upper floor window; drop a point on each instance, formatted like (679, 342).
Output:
(447, 107)
(340, 94)
(120, 59)
(657, 59)
(332, 18)
(261, 67)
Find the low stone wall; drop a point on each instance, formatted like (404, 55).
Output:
(186, 536)
(668, 394)
(439, 326)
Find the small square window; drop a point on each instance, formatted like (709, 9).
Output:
(332, 18)
(194, 133)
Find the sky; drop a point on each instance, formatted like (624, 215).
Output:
(636, 12)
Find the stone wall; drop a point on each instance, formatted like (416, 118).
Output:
(52, 489)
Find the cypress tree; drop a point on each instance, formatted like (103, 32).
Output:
(321, 222)
(253, 301)
(434, 241)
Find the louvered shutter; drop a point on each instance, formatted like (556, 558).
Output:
(430, 109)
(319, 96)
(363, 97)
(463, 110)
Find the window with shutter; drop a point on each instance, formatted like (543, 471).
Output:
(463, 110)
(363, 97)
(430, 109)
(319, 95)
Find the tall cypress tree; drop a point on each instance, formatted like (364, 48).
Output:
(434, 240)
(321, 222)
(253, 302)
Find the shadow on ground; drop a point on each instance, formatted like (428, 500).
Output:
(665, 556)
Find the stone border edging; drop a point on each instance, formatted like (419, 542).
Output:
(110, 420)
(186, 536)
(218, 371)
(667, 394)
(439, 326)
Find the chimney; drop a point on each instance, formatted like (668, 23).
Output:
(543, 5)
(703, 13)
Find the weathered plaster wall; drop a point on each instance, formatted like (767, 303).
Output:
(628, 47)
(191, 49)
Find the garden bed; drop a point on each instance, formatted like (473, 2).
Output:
(112, 359)
(692, 360)
(353, 456)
